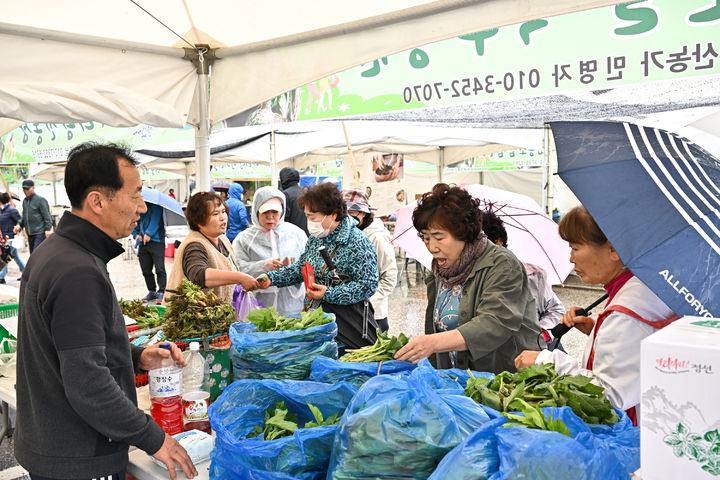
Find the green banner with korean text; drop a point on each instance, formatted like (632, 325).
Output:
(596, 49)
(51, 142)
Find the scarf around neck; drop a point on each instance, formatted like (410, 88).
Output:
(458, 272)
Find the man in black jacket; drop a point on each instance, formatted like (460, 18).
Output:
(77, 408)
(289, 185)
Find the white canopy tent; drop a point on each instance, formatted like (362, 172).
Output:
(113, 62)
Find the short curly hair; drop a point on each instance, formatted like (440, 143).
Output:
(199, 208)
(324, 198)
(450, 208)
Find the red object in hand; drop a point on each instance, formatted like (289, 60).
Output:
(308, 276)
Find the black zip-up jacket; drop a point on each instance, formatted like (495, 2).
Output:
(9, 217)
(289, 185)
(76, 399)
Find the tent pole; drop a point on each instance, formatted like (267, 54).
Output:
(441, 165)
(273, 159)
(187, 182)
(356, 172)
(54, 182)
(546, 194)
(202, 57)
(202, 137)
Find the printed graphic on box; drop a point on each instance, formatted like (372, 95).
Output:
(684, 429)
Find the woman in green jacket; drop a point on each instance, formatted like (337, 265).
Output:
(480, 312)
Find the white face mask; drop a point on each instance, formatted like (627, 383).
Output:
(315, 229)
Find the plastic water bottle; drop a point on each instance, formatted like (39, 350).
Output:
(194, 379)
(196, 394)
(166, 385)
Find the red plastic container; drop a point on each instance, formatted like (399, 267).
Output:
(167, 412)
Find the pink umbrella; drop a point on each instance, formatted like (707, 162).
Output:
(532, 235)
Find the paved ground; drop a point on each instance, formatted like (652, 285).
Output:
(407, 310)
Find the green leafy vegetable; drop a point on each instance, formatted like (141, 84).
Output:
(192, 313)
(280, 423)
(269, 320)
(532, 417)
(384, 349)
(333, 419)
(541, 386)
(145, 316)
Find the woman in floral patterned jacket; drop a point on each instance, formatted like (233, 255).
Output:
(354, 257)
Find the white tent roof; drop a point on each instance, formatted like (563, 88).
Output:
(110, 61)
(307, 143)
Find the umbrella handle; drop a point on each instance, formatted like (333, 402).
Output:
(561, 329)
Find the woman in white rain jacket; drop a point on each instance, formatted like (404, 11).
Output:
(270, 243)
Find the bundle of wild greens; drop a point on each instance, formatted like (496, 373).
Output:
(541, 386)
(280, 423)
(145, 316)
(532, 417)
(383, 350)
(269, 320)
(193, 313)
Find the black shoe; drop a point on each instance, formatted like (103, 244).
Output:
(2, 281)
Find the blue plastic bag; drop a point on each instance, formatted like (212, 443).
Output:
(328, 370)
(593, 452)
(401, 426)
(462, 376)
(303, 456)
(286, 354)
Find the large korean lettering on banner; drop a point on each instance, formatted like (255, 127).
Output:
(603, 48)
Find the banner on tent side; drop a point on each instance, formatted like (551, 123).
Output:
(602, 48)
(382, 175)
(153, 174)
(510, 160)
(51, 142)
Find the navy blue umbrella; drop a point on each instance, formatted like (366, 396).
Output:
(173, 212)
(656, 196)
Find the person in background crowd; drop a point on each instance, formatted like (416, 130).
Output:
(171, 193)
(612, 353)
(149, 235)
(36, 218)
(222, 191)
(271, 243)
(480, 312)
(77, 409)
(549, 307)
(353, 255)
(237, 213)
(358, 206)
(205, 257)
(9, 217)
(290, 186)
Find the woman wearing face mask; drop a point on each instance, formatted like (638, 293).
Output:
(353, 255)
(205, 257)
(480, 312)
(268, 244)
